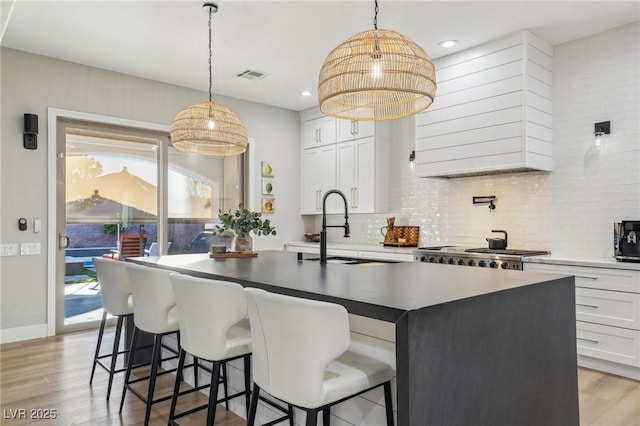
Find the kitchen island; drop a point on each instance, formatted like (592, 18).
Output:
(473, 347)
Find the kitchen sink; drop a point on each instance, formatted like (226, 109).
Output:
(349, 261)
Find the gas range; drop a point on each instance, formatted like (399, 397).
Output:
(510, 259)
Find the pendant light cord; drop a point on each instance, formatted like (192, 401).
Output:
(375, 17)
(210, 69)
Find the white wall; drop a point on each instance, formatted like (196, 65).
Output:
(31, 84)
(569, 211)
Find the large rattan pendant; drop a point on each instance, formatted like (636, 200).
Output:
(376, 75)
(208, 128)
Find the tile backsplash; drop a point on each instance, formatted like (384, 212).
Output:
(569, 211)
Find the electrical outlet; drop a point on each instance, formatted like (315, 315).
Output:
(9, 249)
(28, 249)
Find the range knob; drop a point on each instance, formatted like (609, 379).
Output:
(423, 259)
(432, 260)
(504, 265)
(450, 261)
(460, 262)
(441, 260)
(471, 262)
(482, 264)
(493, 264)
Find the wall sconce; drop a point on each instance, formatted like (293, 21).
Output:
(30, 134)
(412, 159)
(601, 129)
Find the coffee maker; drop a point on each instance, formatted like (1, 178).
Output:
(627, 236)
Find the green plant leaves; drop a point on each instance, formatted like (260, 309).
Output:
(243, 221)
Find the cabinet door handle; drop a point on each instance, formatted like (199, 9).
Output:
(587, 277)
(320, 135)
(356, 125)
(588, 340)
(317, 199)
(352, 197)
(316, 135)
(588, 305)
(353, 128)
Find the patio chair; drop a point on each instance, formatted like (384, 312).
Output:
(131, 245)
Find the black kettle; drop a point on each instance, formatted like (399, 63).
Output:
(498, 243)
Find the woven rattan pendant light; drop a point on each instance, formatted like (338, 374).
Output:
(376, 75)
(208, 128)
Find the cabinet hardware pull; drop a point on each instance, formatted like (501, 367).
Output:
(356, 199)
(353, 197)
(589, 305)
(588, 277)
(320, 135)
(357, 126)
(588, 340)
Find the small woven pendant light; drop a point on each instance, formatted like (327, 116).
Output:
(208, 128)
(376, 75)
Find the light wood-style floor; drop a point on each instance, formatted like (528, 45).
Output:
(53, 374)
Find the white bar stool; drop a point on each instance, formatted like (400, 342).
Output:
(301, 356)
(213, 327)
(116, 301)
(155, 313)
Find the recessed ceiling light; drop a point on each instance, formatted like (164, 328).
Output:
(448, 43)
(306, 93)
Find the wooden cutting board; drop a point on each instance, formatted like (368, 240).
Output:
(233, 254)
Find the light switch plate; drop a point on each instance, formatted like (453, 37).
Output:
(28, 249)
(9, 249)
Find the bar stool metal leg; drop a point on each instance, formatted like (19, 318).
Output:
(176, 386)
(213, 392)
(98, 345)
(326, 414)
(255, 395)
(156, 357)
(312, 418)
(247, 381)
(388, 404)
(132, 352)
(114, 354)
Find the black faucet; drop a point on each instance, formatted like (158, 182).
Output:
(323, 232)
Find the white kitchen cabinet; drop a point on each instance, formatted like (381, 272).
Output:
(318, 176)
(356, 175)
(492, 112)
(348, 130)
(607, 316)
(360, 165)
(318, 132)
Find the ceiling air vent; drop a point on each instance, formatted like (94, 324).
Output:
(250, 74)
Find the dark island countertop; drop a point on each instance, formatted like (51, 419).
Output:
(473, 346)
(382, 291)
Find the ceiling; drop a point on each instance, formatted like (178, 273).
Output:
(288, 40)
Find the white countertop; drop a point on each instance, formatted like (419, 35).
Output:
(595, 262)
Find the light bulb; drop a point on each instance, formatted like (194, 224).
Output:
(211, 124)
(599, 135)
(376, 69)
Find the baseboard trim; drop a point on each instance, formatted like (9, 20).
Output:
(609, 367)
(19, 334)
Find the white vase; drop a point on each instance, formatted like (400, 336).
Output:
(244, 243)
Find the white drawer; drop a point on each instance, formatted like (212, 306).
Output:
(609, 343)
(608, 307)
(600, 278)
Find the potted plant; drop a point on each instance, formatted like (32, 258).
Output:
(242, 222)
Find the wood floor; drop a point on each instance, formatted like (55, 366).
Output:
(44, 376)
